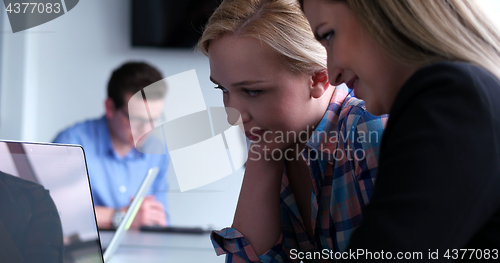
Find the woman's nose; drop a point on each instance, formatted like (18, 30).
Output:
(245, 116)
(237, 109)
(335, 75)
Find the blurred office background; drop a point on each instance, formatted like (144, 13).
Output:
(55, 75)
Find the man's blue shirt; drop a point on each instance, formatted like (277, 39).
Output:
(114, 179)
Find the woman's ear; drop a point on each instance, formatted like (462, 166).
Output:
(320, 83)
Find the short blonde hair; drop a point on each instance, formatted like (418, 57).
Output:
(280, 24)
(420, 32)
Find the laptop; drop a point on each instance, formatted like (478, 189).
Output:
(62, 170)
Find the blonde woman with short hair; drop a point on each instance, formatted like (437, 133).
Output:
(435, 67)
(313, 159)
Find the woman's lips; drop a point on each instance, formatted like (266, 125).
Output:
(353, 84)
(255, 134)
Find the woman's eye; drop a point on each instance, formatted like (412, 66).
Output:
(224, 90)
(252, 93)
(326, 36)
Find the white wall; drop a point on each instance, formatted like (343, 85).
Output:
(492, 9)
(56, 74)
(68, 63)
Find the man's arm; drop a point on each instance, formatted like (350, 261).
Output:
(104, 216)
(151, 213)
(160, 185)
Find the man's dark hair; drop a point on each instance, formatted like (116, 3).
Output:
(130, 78)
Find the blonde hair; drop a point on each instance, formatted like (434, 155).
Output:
(280, 24)
(420, 32)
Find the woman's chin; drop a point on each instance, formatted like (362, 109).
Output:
(374, 108)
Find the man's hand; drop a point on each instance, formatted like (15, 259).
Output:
(151, 213)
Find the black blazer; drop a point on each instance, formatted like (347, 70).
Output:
(438, 185)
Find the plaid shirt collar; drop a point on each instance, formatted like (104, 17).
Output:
(318, 141)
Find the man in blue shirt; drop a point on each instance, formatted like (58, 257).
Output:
(116, 168)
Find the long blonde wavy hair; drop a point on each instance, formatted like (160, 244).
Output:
(280, 24)
(421, 32)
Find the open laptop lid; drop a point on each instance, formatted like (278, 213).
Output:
(131, 213)
(62, 170)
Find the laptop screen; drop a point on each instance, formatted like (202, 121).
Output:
(62, 170)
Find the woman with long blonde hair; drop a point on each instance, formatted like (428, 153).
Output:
(313, 158)
(434, 66)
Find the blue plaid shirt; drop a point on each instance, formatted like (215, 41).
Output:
(342, 156)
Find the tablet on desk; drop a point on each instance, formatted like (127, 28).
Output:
(176, 229)
(130, 214)
(170, 229)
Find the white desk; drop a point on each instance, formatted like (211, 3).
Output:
(162, 247)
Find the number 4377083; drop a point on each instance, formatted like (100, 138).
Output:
(471, 254)
(33, 7)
